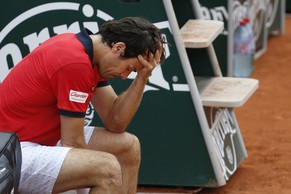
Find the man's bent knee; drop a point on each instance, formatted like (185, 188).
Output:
(109, 171)
(135, 146)
(131, 142)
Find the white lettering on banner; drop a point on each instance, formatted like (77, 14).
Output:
(256, 11)
(11, 50)
(76, 96)
(34, 40)
(216, 13)
(222, 131)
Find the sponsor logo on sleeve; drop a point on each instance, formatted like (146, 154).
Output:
(76, 96)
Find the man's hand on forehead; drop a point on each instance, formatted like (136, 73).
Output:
(149, 63)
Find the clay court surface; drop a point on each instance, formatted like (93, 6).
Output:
(265, 123)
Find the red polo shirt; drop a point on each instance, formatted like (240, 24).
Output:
(56, 78)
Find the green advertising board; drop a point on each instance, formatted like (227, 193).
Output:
(211, 10)
(174, 147)
(166, 113)
(266, 17)
(288, 6)
(230, 12)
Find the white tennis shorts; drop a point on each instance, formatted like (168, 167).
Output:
(41, 165)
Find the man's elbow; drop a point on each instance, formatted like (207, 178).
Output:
(116, 123)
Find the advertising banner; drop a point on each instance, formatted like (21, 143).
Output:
(173, 146)
(166, 121)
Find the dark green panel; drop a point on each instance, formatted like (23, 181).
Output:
(199, 58)
(173, 147)
(288, 6)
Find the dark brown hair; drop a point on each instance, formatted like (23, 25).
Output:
(139, 35)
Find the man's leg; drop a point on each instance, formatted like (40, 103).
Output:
(52, 169)
(126, 148)
(102, 145)
(99, 171)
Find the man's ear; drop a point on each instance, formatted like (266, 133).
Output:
(118, 47)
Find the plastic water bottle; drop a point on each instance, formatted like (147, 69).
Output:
(251, 34)
(243, 55)
(252, 39)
